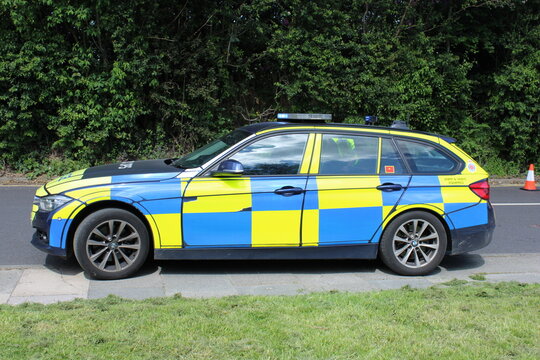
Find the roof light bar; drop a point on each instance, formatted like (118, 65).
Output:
(304, 117)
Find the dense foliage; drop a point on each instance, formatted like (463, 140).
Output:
(83, 82)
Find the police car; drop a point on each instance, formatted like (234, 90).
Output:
(296, 188)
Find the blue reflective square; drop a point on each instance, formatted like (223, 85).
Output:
(164, 206)
(352, 225)
(463, 216)
(422, 195)
(217, 229)
(263, 197)
(311, 202)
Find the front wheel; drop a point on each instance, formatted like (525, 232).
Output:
(414, 243)
(111, 244)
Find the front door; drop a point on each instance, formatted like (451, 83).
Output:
(261, 208)
(353, 185)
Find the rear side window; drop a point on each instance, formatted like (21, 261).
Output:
(426, 159)
(391, 162)
(348, 155)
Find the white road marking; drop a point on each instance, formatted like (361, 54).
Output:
(516, 204)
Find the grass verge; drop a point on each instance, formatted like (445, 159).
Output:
(465, 321)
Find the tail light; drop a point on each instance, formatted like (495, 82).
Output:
(481, 188)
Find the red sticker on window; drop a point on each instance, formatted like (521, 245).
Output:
(389, 169)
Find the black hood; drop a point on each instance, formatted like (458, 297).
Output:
(131, 168)
(127, 171)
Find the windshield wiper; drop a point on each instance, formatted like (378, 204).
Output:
(172, 161)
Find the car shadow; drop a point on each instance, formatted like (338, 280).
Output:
(71, 267)
(267, 266)
(462, 262)
(62, 266)
(216, 267)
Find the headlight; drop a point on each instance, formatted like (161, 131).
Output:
(50, 203)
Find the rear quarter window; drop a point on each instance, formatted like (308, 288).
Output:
(426, 159)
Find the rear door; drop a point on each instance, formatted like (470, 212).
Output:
(355, 181)
(261, 208)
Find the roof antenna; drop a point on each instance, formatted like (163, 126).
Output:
(399, 124)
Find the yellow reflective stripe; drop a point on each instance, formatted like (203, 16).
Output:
(286, 128)
(435, 207)
(341, 128)
(92, 194)
(35, 209)
(264, 231)
(435, 139)
(218, 204)
(310, 227)
(339, 192)
(379, 157)
(344, 128)
(68, 211)
(167, 229)
(57, 189)
(155, 231)
(304, 168)
(76, 175)
(41, 192)
(316, 159)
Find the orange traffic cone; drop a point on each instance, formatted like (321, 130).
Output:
(530, 183)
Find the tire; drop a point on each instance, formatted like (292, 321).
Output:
(111, 244)
(414, 243)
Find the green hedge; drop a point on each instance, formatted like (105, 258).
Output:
(84, 82)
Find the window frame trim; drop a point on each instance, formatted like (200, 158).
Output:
(318, 150)
(317, 147)
(459, 162)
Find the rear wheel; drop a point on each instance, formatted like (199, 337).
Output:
(414, 243)
(111, 244)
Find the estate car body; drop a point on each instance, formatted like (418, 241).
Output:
(274, 190)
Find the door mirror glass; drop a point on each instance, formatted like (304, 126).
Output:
(229, 167)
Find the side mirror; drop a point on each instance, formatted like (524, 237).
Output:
(229, 167)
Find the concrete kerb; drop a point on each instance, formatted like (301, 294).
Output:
(46, 285)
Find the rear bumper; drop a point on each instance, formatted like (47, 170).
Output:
(474, 237)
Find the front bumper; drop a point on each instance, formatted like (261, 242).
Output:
(42, 244)
(41, 237)
(474, 237)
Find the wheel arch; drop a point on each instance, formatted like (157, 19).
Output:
(105, 204)
(428, 209)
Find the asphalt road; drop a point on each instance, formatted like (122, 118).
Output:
(518, 225)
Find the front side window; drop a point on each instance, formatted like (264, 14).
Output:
(276, 155)
(426, 159)
(348, 155)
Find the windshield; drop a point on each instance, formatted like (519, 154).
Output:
(207, 152)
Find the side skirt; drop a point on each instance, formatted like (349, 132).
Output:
(363, 251)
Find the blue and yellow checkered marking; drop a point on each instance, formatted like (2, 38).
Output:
(159, 201)
(346, 209)
(243, 211)
(223, 229)
(254, 216)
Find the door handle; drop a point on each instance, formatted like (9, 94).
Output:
(388, 187)
(289, 191)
